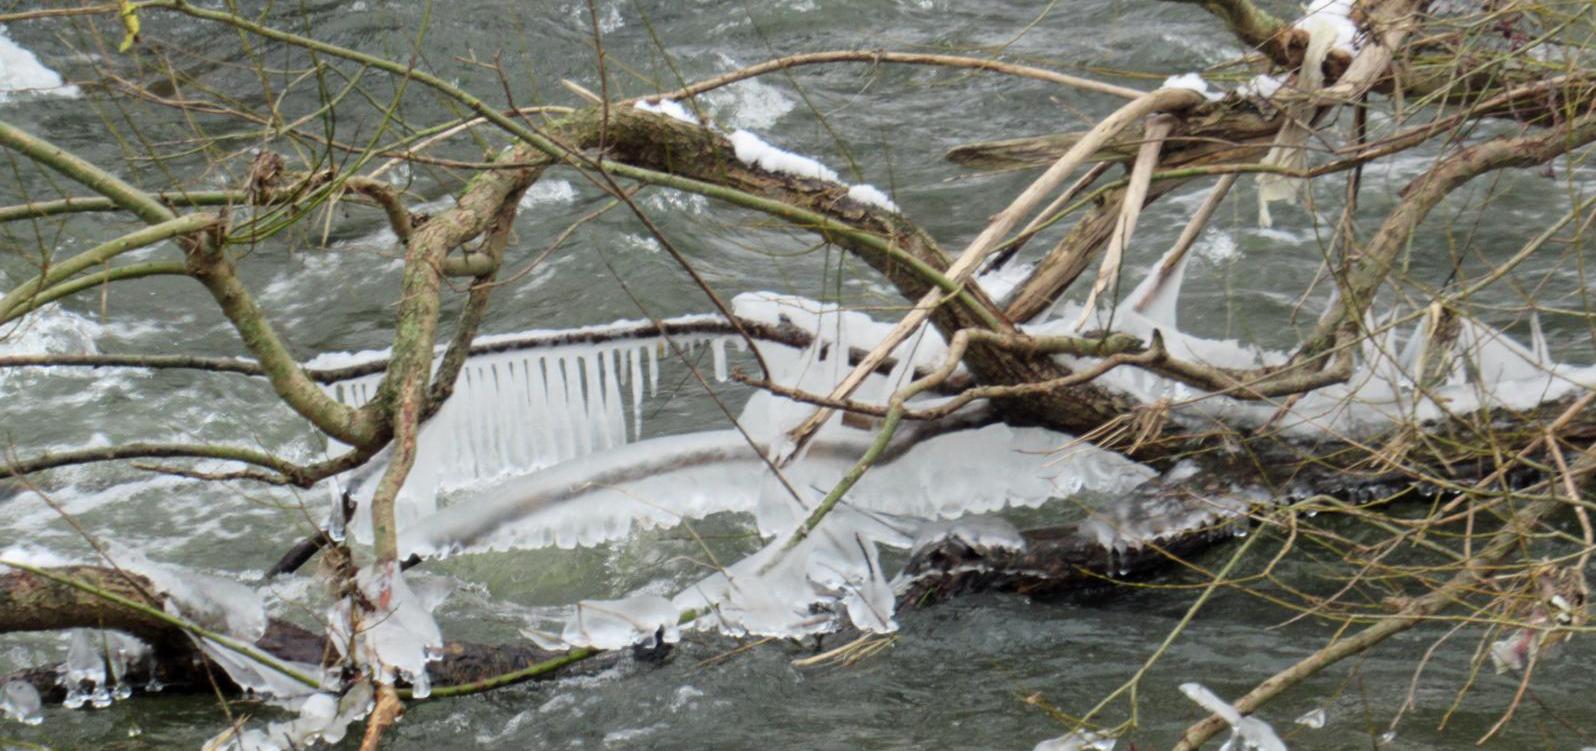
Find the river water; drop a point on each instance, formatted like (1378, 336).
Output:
(959, 674)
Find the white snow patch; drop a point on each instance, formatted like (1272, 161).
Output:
(1262, 85)
(669, 108)
(871, 196)
(754, 151)
(1332, 16)
(1193, 82)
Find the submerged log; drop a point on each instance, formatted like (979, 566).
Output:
(29, 602)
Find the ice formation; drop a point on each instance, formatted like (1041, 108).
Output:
(217, 604)
(320, 718)
(1000, 282)
(398, 638)
(1479, 367)
(222, 606)
(924, 476)
(1329, 26)
(21, 73)
(1081, 740)
(540, 444)
(1247, 733)
(613, 624)
(20, 701)
(96, 667)
(1312, 719)
(978, 532)
(520, 410)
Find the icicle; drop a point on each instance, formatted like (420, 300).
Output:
(573, 407)
(121, 651)
(614, 624)
(336, 517)
(1158, 295)
(498, 406)
(614, 413)
(83, 665)
(540, 383)
(653, 367)
(718, 351)
(634, 363)
(1543, 355)
(535, 419)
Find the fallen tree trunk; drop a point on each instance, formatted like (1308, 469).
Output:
(1147, 534)
(29, 602)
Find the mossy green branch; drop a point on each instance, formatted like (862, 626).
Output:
(94, 178)
(85, 204)
(20, 298)
(90, 281)
(212, 268)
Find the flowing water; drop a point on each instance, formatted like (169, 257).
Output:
(959, 674)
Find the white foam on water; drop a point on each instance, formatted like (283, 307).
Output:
(750, 103)
(22, 75)
(548, 192)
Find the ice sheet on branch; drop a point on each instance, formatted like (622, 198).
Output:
(929, 472)
(1476, 366)
(520, 410)
(1247, 733)
(397, 637)
(222, 606)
